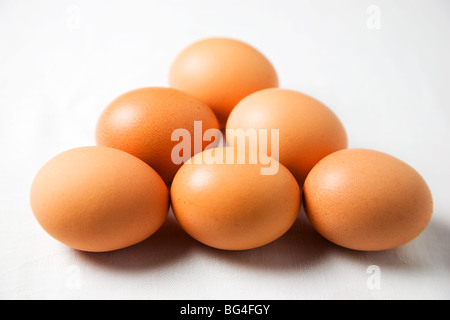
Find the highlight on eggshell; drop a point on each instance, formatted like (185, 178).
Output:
(142, 121)
(232, 206)
(241, 196)
(221, 72)
(367, 200)
(308, 130)
(99, 199)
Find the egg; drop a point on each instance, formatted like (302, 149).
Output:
(229, 204)
(221, 72)
(307, 129)
(142, 122)
(98, 199)
(367, 200)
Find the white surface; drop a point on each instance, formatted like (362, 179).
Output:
(62, 62)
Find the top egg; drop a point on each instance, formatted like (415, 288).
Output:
(221, 72)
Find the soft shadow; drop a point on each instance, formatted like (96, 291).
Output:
(430, 249)
(301, 247)
(168, 245)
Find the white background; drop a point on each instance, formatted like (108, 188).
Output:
(62, 62)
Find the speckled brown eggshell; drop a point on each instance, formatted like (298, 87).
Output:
(232, 206)
(221, 72)
(99, 199)
(367, 200)
(308, 130)
(141, 122)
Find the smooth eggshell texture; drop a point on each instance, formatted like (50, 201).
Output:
(141, 122)
(232, 206)
(99, 199)
(308, 130)
(367, 200)
(221, 72)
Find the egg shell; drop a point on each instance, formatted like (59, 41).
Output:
(308, 130)
(231, 206)
(98, 199)
(221, 72)
(141, 122)
(367, 200)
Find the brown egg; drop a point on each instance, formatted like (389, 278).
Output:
(221, 72)
(308, 130)
(231, 205)
(99, 199)
(367, 200)
(141, 122)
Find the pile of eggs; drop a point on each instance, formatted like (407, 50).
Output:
(159, 147)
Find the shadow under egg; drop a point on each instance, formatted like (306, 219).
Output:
(170, 244)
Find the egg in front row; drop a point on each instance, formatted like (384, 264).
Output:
(367, 200)
(229, 204)
(99, 199)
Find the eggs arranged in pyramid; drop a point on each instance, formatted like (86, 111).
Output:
(236, 157)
